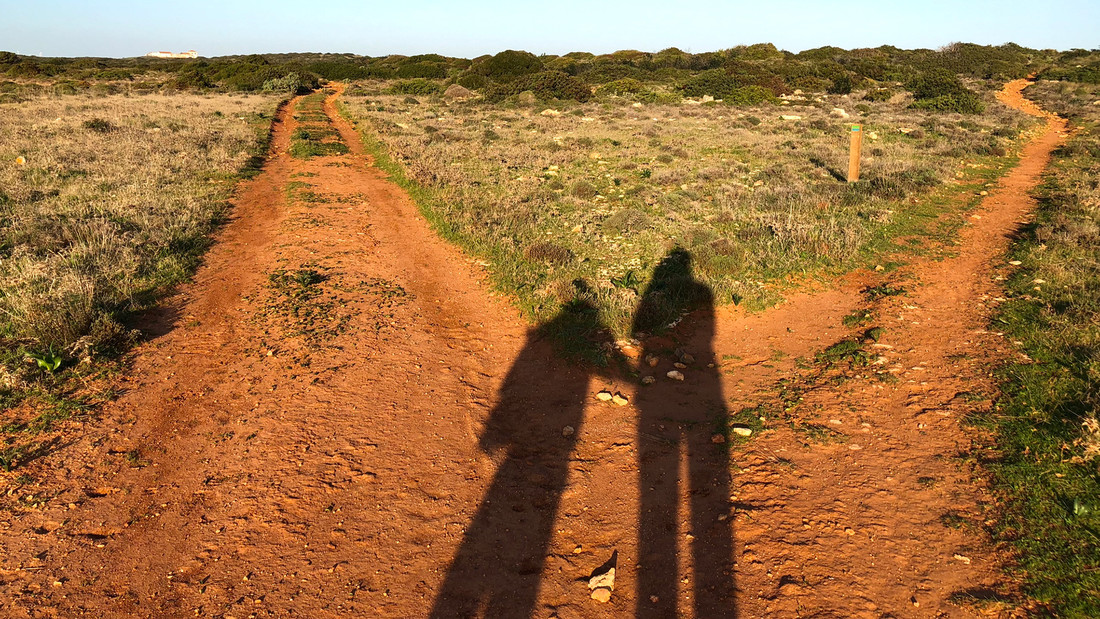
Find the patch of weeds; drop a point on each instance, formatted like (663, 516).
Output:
(874, 334)
(10, 455)
(845, 351)
(819, 433)
(47, 360)
(134, 459)
(952, 520)
(880, 291)
(857, 318)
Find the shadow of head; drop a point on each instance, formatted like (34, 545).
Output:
(577, 330)
(672, 292)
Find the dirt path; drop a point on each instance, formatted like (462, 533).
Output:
(314, 434)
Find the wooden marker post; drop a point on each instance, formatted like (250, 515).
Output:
(853, 155)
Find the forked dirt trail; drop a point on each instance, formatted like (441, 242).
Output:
(339, 420)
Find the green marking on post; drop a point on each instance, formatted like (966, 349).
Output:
(855, 127)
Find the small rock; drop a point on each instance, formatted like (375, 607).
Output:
(648, 380)
(871, 135)
(983, 193)
(965, 560)
(1015, 263)
(839, 112)
(879, 267)
(635, 104)
(601, 595)
(687, 358)
(619, 399)
(604, 396)
(790, 117)
(742, 430)
(652, 360)
(654, 599)
(717, 439)
(549, 112)
(605, 580)
(758, 184)
(567, 431)
(679, 366)
(675, 375)
(849, 531)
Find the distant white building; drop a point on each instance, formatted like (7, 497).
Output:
(188, 54)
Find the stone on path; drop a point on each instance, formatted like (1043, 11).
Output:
(741, 430)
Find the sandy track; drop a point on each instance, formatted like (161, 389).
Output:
(338, 468)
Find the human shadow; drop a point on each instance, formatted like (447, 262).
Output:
(677, 420)
(531, 433)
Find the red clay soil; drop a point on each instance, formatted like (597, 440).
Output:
(394, 442)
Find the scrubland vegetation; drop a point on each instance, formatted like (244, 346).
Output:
(105, 204)
(557, 194)
(1048, 466)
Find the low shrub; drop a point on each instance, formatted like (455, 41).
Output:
(841, 85)
(425, 70)
(473, 81)
(878, 94)
(99, 125)
(942, 91)
(550, 253)
(421, 87)
(749, 95)
(508, 66)
(545, 86)
(625, 86)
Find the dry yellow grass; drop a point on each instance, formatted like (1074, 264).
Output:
(106, 201)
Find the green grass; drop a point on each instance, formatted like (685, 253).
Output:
(1047, 434)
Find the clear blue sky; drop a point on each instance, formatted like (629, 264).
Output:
(475, 27)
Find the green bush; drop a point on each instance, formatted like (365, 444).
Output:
(508, 66)
(716, 83)
(546, 85)
(625, 86)
(473, 81)
(878, 94)
(1086, 74)
(416, 87)
(963, 103)
(941, 90)
(426, 70)
(842, 85)
(291, 82)
(749, 95)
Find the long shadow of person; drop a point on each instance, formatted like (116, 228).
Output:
(677, 421)
(531, 432)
